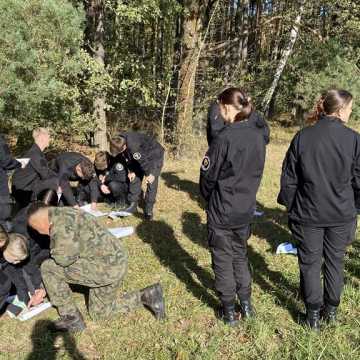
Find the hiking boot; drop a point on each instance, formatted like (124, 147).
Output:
(229, 316)
(152, 297)
(73, 322)
(247, 311)
(313, 319)
(328, 314)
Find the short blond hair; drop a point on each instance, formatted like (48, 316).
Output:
(17, 247)
(40, 131)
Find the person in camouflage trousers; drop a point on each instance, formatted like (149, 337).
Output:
(85, 253)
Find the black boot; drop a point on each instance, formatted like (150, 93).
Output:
(329, 314)
(229, 316)
(313, 319)
(247, 311)
(70, 322)
(152, 297)
(148, 212)
(132, 209)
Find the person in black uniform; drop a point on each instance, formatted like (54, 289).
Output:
(215, 121)
(113, 178)
(320, 187)
(230, 177)
(7, 163)
(27, 183)
(73, 166)
(13, 256)
(144, 159)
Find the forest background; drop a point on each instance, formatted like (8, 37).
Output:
(89, 67)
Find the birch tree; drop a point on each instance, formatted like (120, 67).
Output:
(283, 60)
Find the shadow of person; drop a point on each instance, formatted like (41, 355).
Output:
(269, 281)
(173, 181)
(44, 343)
(166, 247)
(194, 229)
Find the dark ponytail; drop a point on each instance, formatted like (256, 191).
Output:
(329, 103)
(238, 98)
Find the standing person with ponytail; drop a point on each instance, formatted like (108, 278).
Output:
(320, 187)
(216, 123)
(229, 180)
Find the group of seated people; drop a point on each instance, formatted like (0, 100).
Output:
(114, 177)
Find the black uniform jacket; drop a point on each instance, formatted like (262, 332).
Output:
(116, 171)
(231, 173)
(6, 163)
(64, 165)
(143, 152)
(12, 275)
(320, 181)
(215, 123)
(37, 169)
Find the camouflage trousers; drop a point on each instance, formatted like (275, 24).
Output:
(103, 301)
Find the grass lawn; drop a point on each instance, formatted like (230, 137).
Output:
(173, 249)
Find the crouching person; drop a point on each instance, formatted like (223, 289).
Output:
(113, 179)
(83, 252)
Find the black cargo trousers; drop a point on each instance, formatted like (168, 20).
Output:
(151, 189)
(322, 250)
(228, 249)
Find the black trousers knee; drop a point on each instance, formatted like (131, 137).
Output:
(230, 262)
(322, 250)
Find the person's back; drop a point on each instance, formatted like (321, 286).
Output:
(77, 235)
(233, 200)
(325, 154)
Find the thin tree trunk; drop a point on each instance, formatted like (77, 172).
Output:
(99, 56)
(244, 34)
(284, 58)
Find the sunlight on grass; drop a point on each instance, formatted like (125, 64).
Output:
(172, 249)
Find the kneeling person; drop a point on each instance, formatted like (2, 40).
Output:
(144, 157)
(113, 178)
(85, 253)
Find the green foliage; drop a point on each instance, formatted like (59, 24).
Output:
(45, 77)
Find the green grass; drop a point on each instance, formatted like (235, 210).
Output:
(173, 250)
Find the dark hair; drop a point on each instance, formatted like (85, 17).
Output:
(117, 144)
(329, 102)
(87, 169)
(35, 207)
(238, 98)
(101, 161)
(48, 197)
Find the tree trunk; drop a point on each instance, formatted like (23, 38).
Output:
(192, 26)
(284, 58)
(99, 55)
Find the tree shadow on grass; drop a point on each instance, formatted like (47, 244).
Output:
(44, 343)
(166, 247)
(270, 281)
(173, 181)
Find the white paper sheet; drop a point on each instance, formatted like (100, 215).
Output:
(23, 161)
(96, 213)
(33, 311)
(116, 214)
(121, 232)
